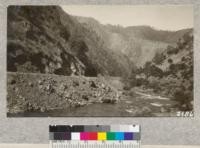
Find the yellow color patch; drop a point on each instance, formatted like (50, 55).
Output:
(101, 136)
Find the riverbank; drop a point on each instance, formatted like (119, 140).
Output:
(43, 95)
(28, 92)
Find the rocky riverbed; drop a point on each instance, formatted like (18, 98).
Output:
(45, 95)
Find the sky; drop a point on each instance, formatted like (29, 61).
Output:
(162, 17)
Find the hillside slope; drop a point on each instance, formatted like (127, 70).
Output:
(138, 43)
(48, 40)
(170, 73)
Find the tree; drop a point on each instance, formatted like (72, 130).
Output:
(170, 49)
(130, 81)
(65, 33)
(155, 71)
(170, 61)
(147, 69)
(159, 58)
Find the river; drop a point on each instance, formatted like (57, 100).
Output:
(135, 103)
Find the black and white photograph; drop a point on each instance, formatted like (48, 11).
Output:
(100, 61)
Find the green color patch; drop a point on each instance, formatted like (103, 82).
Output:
(110, 136)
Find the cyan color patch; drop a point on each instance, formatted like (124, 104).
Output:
(119, 136)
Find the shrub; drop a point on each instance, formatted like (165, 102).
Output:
(172, 68)
(184, 98)
(65, 33)
(152, 70)
(170, 50)
(182, 66)
(183, 59)
(170, 61)
(141, 81)
(155, 71)
(159, 58)
(154, 85)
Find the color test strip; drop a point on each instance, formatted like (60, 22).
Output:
(102, 136)
(62, 136)
(128, 136)
(97, 128)
(94, 128)
(99, 133)
(119, 136)
(94, 136)
(110, 135)
(75, 136)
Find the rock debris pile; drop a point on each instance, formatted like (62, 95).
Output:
(43, 93)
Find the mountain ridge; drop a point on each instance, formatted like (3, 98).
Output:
(48, 40)
(133, 40)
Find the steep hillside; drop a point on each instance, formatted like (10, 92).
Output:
(138, 43)
(170, 73)
(47, 40)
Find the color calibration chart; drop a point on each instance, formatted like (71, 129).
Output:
(94, 136)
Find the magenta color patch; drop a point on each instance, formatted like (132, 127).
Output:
(84, 136)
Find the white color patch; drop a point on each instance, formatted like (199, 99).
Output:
(75, 136)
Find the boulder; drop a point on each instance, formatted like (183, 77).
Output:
(30, 84)
(92, 84)
(40, 82)
(12, 81)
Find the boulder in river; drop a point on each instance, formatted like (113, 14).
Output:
(108, 100)
(146, 110)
